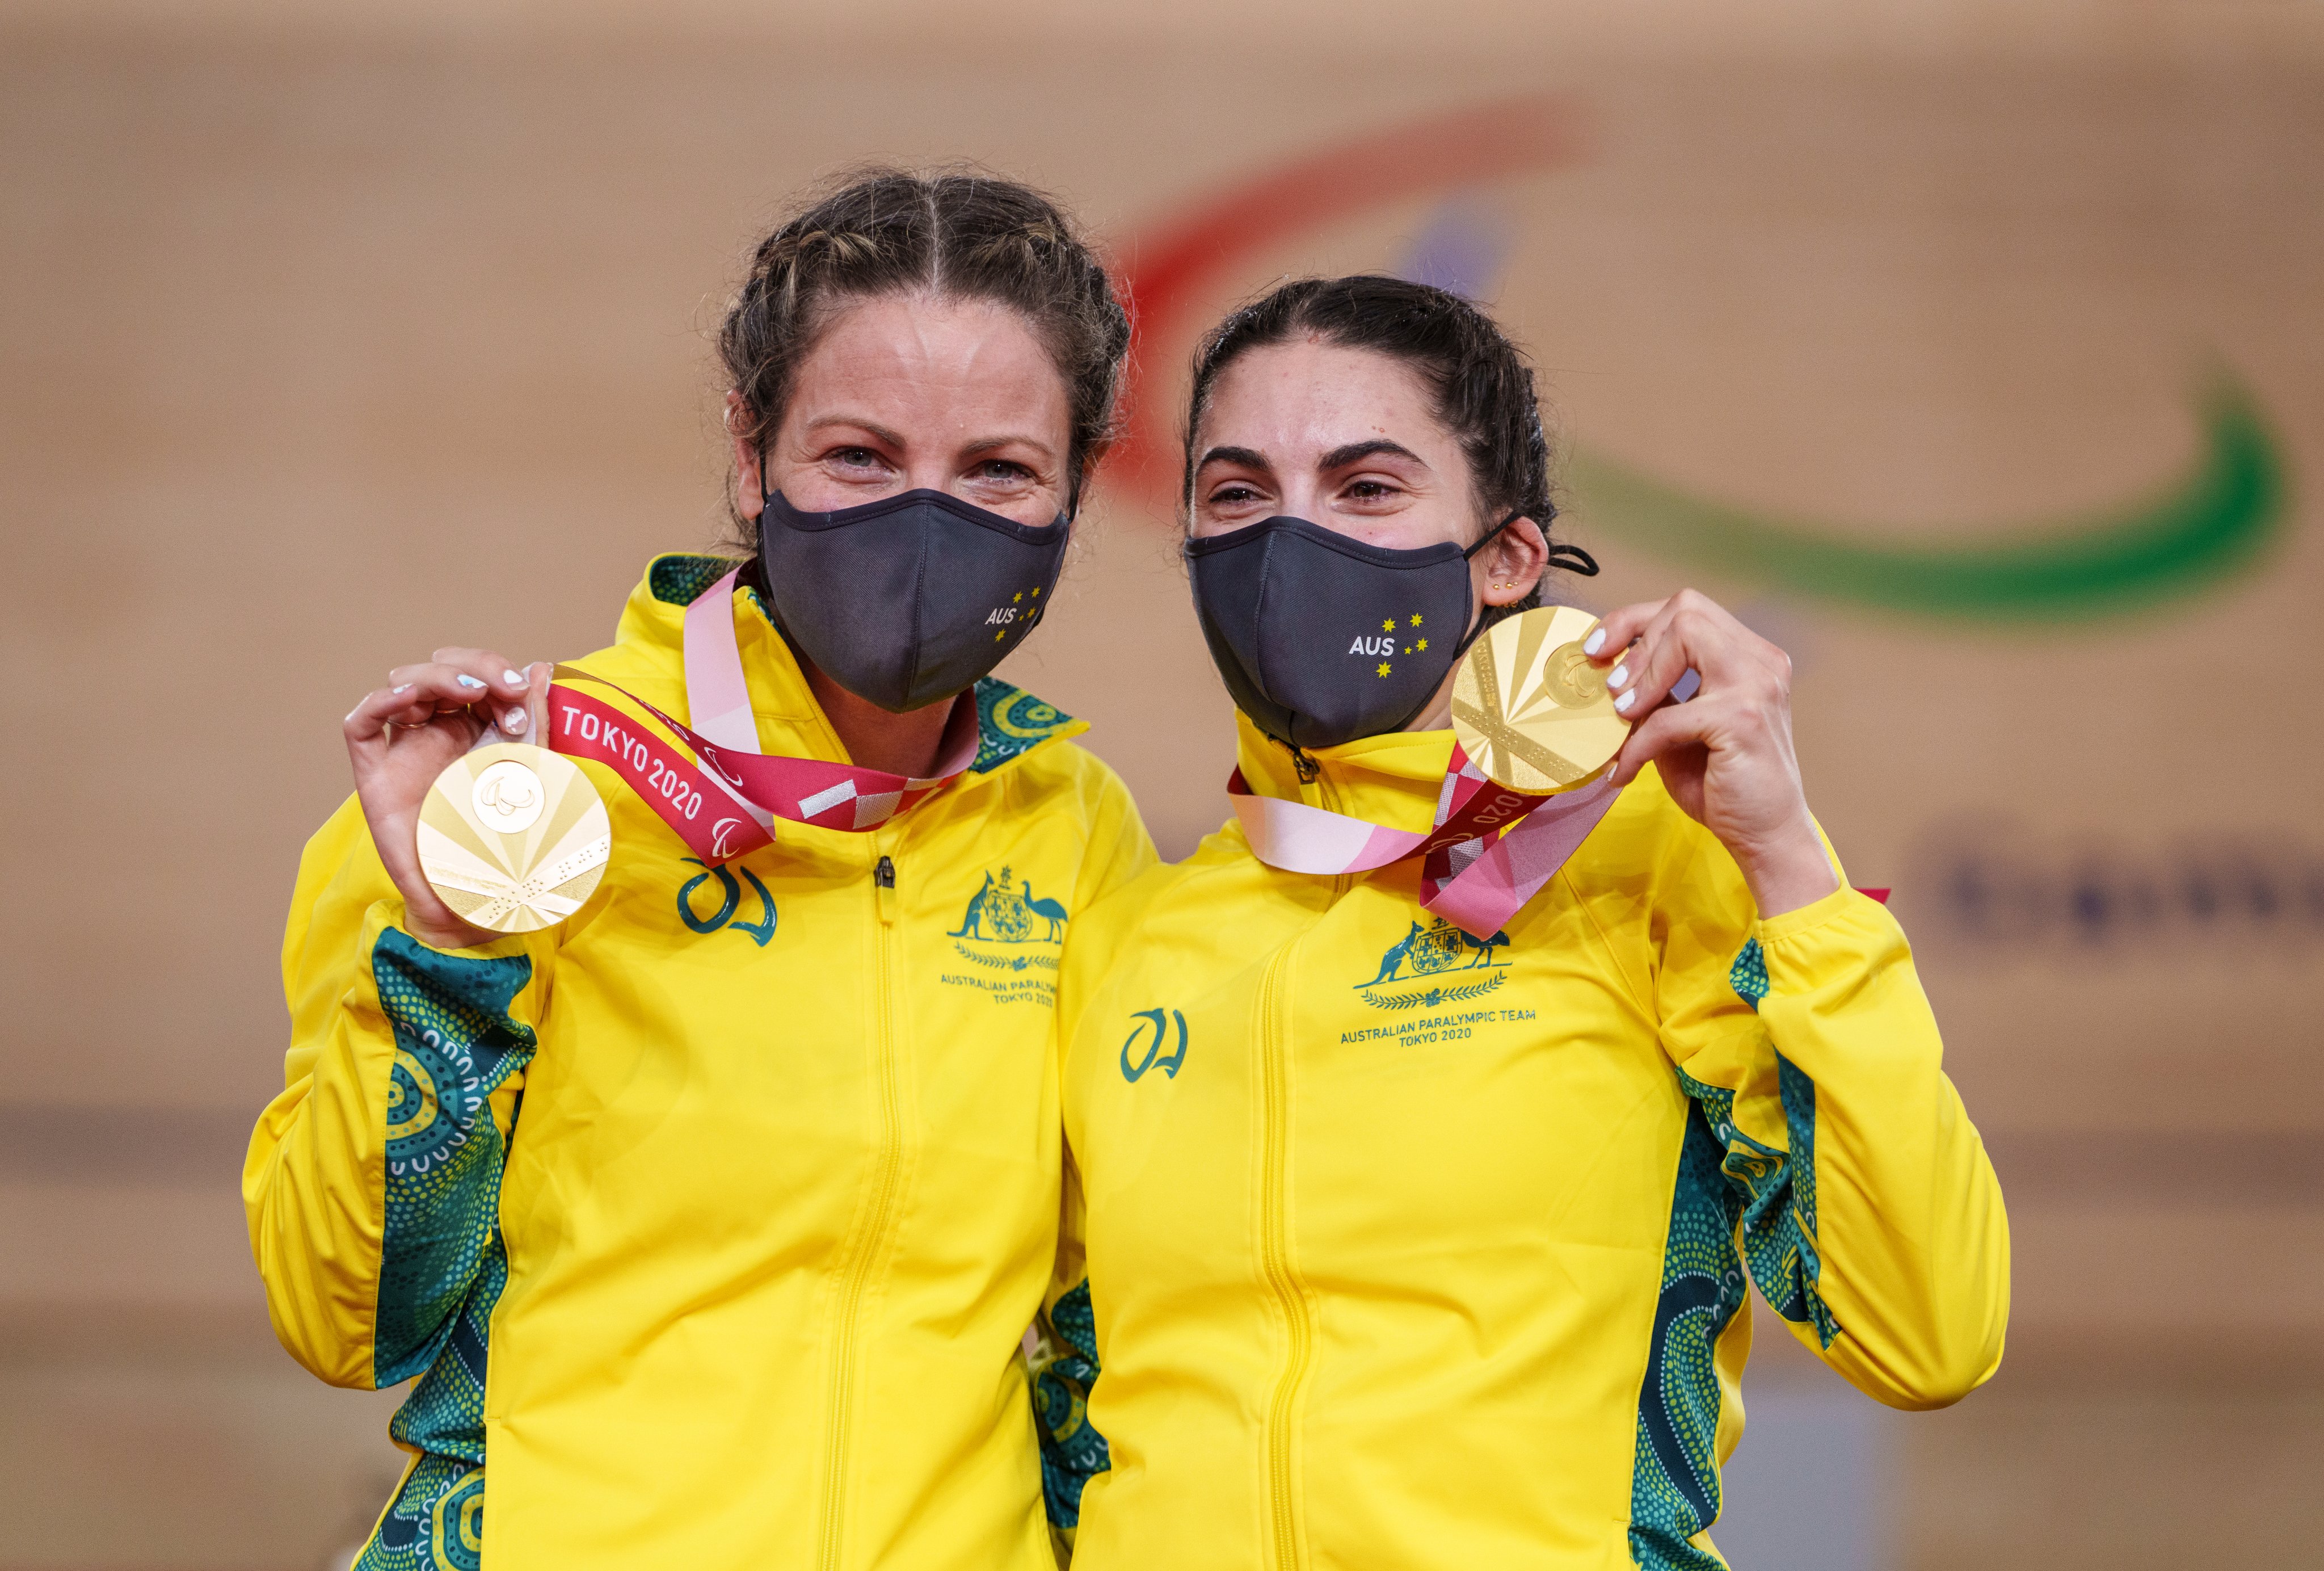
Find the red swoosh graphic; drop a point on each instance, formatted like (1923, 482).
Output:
(1164, 273)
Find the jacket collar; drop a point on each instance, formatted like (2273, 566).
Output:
(1010, 721)
(1395, 779)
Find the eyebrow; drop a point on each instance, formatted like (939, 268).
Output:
(1337, 459)
(896, 438)
(1248, 457)
(993, 444)
(1340, 458)
(893, 438)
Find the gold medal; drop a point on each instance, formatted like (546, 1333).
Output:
(514, 837)
(1531, 711)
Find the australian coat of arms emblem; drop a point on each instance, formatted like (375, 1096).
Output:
(1424, 954)
(1004, 911)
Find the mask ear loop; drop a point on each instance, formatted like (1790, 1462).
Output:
(1487, 616)
(1571, 558)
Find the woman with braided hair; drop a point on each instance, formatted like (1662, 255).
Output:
(708, 1222)
(1416, 1167)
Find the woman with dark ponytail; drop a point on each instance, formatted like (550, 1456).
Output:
(1418, 1160)
(708, 1222)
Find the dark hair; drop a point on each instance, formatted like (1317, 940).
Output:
(959, 235)
(1482, 386)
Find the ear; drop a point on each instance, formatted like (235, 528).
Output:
(1508, 568)
(749, 490)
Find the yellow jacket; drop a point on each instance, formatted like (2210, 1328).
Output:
(751, 1268)
(1388, 1248)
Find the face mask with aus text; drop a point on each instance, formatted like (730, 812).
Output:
(1321, 639)
(911, 599)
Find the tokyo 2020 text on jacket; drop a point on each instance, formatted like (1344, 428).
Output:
(742, 1183)
(1391, 1248)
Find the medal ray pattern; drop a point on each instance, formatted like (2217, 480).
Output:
(1532, 713)
(514, 881)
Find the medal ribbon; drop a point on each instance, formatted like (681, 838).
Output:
(1490, 852)
(1490, 849)
(722, 802)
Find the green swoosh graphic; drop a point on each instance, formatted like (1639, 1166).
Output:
(2210, 523)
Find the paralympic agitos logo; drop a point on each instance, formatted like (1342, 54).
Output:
(2212, 520)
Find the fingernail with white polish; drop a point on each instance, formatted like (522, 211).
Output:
(515, 721)
(1619, 676)
(468, 681)
(1594, 642)
(1622, 705)
(405, 688)
(513, 679)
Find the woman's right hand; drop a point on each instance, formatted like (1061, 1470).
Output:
(401, 736)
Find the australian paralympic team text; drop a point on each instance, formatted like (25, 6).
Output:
(1452, 1025)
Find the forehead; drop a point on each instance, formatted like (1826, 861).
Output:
(918, 347)
(1289, 398)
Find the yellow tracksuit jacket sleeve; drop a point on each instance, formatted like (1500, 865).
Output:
(1870, 1217)
(372, 1181)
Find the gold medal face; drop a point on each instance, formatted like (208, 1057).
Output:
(514, 837)
(1531, 711)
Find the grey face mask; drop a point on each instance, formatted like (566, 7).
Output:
(911, 599)
(1321, 639)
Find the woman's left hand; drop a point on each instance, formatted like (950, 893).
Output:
(1725, 755)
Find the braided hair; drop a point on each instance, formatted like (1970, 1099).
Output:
(958, 235)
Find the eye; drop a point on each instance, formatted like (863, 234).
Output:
(1234, 494)
(1370, 491)
(856, 458)
(1001, 471)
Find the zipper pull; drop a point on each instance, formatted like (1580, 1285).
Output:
(1307, 768)
(883, 883)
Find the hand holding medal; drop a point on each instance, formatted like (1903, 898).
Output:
(1726, 757)
(477, 839)
(484, 835)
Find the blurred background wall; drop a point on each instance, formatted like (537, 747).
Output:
(1976, 353)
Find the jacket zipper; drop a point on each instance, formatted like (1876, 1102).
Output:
(1275, 1249)
(884, 1188)
(1341, 882)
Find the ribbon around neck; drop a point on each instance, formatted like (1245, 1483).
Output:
(723, 801)
(1489, 851)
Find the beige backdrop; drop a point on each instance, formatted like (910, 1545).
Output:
(331, 336)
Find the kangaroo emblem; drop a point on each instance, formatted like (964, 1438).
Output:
(1393, 961)
(971, 923)
(1049, 909)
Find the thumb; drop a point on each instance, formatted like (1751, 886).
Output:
(536, 700)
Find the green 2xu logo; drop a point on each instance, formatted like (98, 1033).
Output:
(728, 914)
(1153, 1059)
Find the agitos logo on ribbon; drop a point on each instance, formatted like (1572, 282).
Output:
(722, 802)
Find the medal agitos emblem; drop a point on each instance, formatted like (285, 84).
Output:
(513, 838)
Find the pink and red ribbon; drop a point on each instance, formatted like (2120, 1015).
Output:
(1489, 851)
(722, 802)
